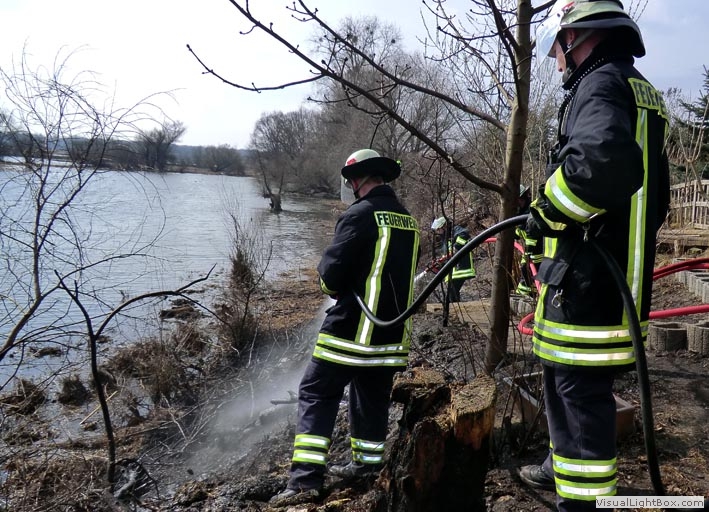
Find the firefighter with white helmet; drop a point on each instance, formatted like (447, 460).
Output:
(373, 254)
(452, 240)
(607, 183)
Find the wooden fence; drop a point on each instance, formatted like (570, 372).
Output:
(689, 206)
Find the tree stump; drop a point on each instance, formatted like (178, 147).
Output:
(439, 460)
(667, 336)
(698, 338)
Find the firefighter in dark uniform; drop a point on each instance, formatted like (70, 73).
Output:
(452, 242)
(607, 181)
(373, 254)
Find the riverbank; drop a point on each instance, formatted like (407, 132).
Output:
(184, 398)
(681, 411)
(166, 388)
(229, 448)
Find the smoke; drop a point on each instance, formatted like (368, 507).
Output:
(260, 408)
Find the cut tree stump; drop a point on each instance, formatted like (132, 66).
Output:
(440, 458)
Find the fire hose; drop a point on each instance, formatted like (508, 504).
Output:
(628, 304)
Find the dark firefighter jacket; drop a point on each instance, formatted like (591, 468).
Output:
(465, 268)
(608, 179)
(373, 254)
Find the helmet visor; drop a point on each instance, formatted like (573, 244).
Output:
(346, 193)
(546, 33)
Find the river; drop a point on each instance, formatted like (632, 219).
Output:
(176, 226)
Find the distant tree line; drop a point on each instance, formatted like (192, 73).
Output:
(155, 149)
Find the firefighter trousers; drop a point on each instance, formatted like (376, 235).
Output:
(319, 395)
(581, 414)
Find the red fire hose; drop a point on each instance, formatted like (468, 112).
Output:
(691, 264)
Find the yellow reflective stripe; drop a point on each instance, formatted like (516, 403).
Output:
(460, 274)
(325, 289)
(549, 249)
(367, 459)
(311, 440)
(585, 468)
(406, 336)
(555, 226)
(351, 346)
(636, 251)
(636, 244)
(558, 192)
(336, 357)
(372, 446)
(585, 491)
(566, 355)
(373, 284)
(586, 333)
(309, 457)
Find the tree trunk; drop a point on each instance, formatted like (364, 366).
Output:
(514, 158)
(439, 460)
(276, 203)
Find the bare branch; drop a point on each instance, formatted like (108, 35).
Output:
(252, 87)
(325, 71)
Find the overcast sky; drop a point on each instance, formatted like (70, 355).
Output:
(138, 47)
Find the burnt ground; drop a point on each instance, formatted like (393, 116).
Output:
(238, 454)
(680, 394)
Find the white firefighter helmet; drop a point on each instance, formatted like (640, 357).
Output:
(367, 162)
(364, 163)
(438, 223)
(593, 14)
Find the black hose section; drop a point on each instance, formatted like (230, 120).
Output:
(628, 304)
(640, 366)
(452, 262)
(643, 375)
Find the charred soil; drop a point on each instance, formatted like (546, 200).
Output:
(237, 461)
(680, 400)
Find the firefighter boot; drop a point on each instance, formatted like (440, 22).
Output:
(354, 469)
(534, 476)
(294, 496)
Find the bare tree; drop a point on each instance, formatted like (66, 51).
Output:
(688, 148)
(487, 53)
(39, 234)
(280, 140)
(155, 145)
(223, 158)
(52, 286)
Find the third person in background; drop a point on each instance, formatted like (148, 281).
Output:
(452, 239)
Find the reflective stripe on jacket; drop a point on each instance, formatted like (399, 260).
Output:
(465, 269)
(373, 253)
(609, 181)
